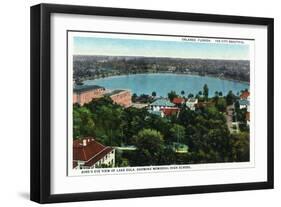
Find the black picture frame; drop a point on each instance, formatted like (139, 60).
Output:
(41, 95)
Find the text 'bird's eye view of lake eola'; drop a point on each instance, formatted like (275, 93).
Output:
(148, 103)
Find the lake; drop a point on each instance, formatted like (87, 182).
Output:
(163, 83)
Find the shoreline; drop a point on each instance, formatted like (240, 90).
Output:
(188, 74)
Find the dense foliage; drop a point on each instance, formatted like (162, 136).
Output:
(204, 132)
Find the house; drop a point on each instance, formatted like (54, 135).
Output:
(139, 105)
(191, 103)
(244, 104)
(245, 95)
(170, 111)
(163, 107)
(121, 97)
(161, 103)
(89, 153)
(245, 100)
(86, 93)
(158, 113)
(178, 101)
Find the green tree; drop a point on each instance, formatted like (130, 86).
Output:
(206, 92)
(107, 117)
(153, 94)
(83, 124)
(190, 95)
(168, 157)
(135, 120)
(230, 98)
(177, 133)
(119, 160)
(207, 136)
(240, 147)
(150, 146)
(237, 106)
(221, 104)
(134, 97)
(216, 98)
(172, 95)
(182, 92)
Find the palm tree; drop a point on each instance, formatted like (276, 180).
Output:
(206, 92)
(190, 95)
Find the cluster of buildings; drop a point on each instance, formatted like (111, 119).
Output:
(88, 153)
(164, 107)
(83, 94)
(244, 103)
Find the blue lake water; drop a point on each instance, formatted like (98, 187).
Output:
(162, 83)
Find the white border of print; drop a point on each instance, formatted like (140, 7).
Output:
(166, 168)
(61, 183)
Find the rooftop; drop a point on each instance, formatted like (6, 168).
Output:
(245, 94)
(244, 102)
(84, 88)
(170, 111)
(88, 148)
(115, 92)
(192, 100)
(162, 102)
(99, 156)
(178, 100)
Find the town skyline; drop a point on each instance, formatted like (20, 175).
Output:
(158, 48)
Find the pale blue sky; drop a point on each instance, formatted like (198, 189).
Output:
(158, 48)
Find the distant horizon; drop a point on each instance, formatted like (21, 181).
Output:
(161, 57)
(97, 46)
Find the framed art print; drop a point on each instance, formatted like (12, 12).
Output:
(132, 103)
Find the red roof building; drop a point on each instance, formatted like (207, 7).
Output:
(170, 111)
(178, 100)
(83, 94)
(121, 97)
(88, 153)
(245, 95)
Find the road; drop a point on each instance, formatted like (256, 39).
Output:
(229, 118)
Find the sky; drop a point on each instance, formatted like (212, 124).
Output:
(158, 48)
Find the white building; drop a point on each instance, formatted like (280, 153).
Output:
(88, 153)
(191, 103)
(160, 104)
(244, 104)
